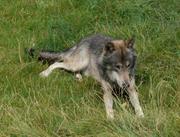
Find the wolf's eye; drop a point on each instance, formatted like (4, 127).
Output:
(118, 66)
(128, 64)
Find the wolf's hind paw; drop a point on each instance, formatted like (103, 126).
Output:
(43, 74)
(79, 77)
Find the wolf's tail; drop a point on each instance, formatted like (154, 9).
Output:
(45, 56)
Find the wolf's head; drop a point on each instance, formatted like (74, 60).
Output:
(119, 61)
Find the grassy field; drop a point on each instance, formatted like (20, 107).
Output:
(59, 105)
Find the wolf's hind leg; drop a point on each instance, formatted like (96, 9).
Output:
(69, 66)
(74, 61)
(79, 77)
(48, 71)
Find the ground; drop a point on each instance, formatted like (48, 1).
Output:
(60, 105)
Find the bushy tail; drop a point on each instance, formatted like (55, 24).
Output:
(45, 56)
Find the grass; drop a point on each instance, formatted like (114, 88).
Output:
(61, 106)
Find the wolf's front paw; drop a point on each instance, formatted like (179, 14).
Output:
(140, 114)
(110, 116)
(44, 74)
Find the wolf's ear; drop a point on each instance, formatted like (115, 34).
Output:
(130, 42)
(109, 47)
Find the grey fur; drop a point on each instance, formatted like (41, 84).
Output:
(109, 61)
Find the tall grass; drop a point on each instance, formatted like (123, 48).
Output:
(60, 105)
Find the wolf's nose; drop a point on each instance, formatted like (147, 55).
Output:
(126, 84)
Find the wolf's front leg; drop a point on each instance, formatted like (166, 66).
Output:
(108, 100)
(133, 96)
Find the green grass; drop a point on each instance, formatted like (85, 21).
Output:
(61, 106)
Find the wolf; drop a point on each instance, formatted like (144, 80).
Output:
(109, 61)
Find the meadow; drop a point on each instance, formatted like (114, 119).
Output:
(61, 106)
